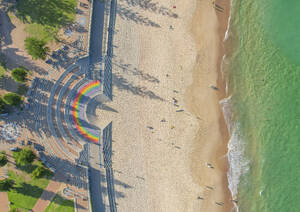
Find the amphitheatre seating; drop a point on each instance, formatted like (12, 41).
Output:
(50, 116)
(59, 104)
(72, 94)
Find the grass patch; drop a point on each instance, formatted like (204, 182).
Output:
(45, 17)
(44, 33)
(26, 190)
(59, 204)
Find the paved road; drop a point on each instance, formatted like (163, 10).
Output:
(49, 193)
(4, 204)
(100, 200)
(98, 196)
(96, 35)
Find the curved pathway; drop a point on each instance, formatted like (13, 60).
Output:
(84, 94)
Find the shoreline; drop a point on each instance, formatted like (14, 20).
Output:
(218, 26)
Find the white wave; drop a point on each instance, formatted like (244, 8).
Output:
(223, 74)
(238, 164)
(228, 24)
(226, 108)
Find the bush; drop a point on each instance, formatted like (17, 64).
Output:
(24, 157)
(19, 74)
(39, 172)
(2, 71)
(6, 184)
(12, 99)
(36, 48)
(3, 159)
(2, 106)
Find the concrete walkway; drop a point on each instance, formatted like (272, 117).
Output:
(4, 204)
(48, 193)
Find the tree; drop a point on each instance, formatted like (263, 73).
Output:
(3, 159)
(2, 106)
(40, 171)
(6, 184)
(12, 99)
(24, 157)
(36, 48)
(2, 70)
(19, 74)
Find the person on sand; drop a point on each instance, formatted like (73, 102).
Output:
(209, 165)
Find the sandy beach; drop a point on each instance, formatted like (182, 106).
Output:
(167, 121)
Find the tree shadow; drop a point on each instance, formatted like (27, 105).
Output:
(123, 84)
(46, 12)
(151, 6)
(128, 14)
(27, 189)
(59, 200)
(127, 68)
(6, 27)
(8, 84)
(14, 60)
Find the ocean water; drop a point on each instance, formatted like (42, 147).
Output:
(263, 71)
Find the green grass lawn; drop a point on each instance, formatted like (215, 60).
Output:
(26, 190)
(43, 18)
(60, 204)
(45, 33)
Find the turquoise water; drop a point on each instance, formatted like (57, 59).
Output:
(264, 79)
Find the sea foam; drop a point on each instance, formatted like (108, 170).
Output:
(238, 164)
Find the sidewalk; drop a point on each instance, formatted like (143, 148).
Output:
(4, 204)
(48, 194)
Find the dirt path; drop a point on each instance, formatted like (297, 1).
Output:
(4, 203)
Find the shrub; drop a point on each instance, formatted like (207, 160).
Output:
(39, 172)
(19, 74)
(36, 48)
(24, 157)
(2, 106)
(6, 184)
(3, 159)
(12, 99)
(2, 70)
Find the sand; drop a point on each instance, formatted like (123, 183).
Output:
(167, 121)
